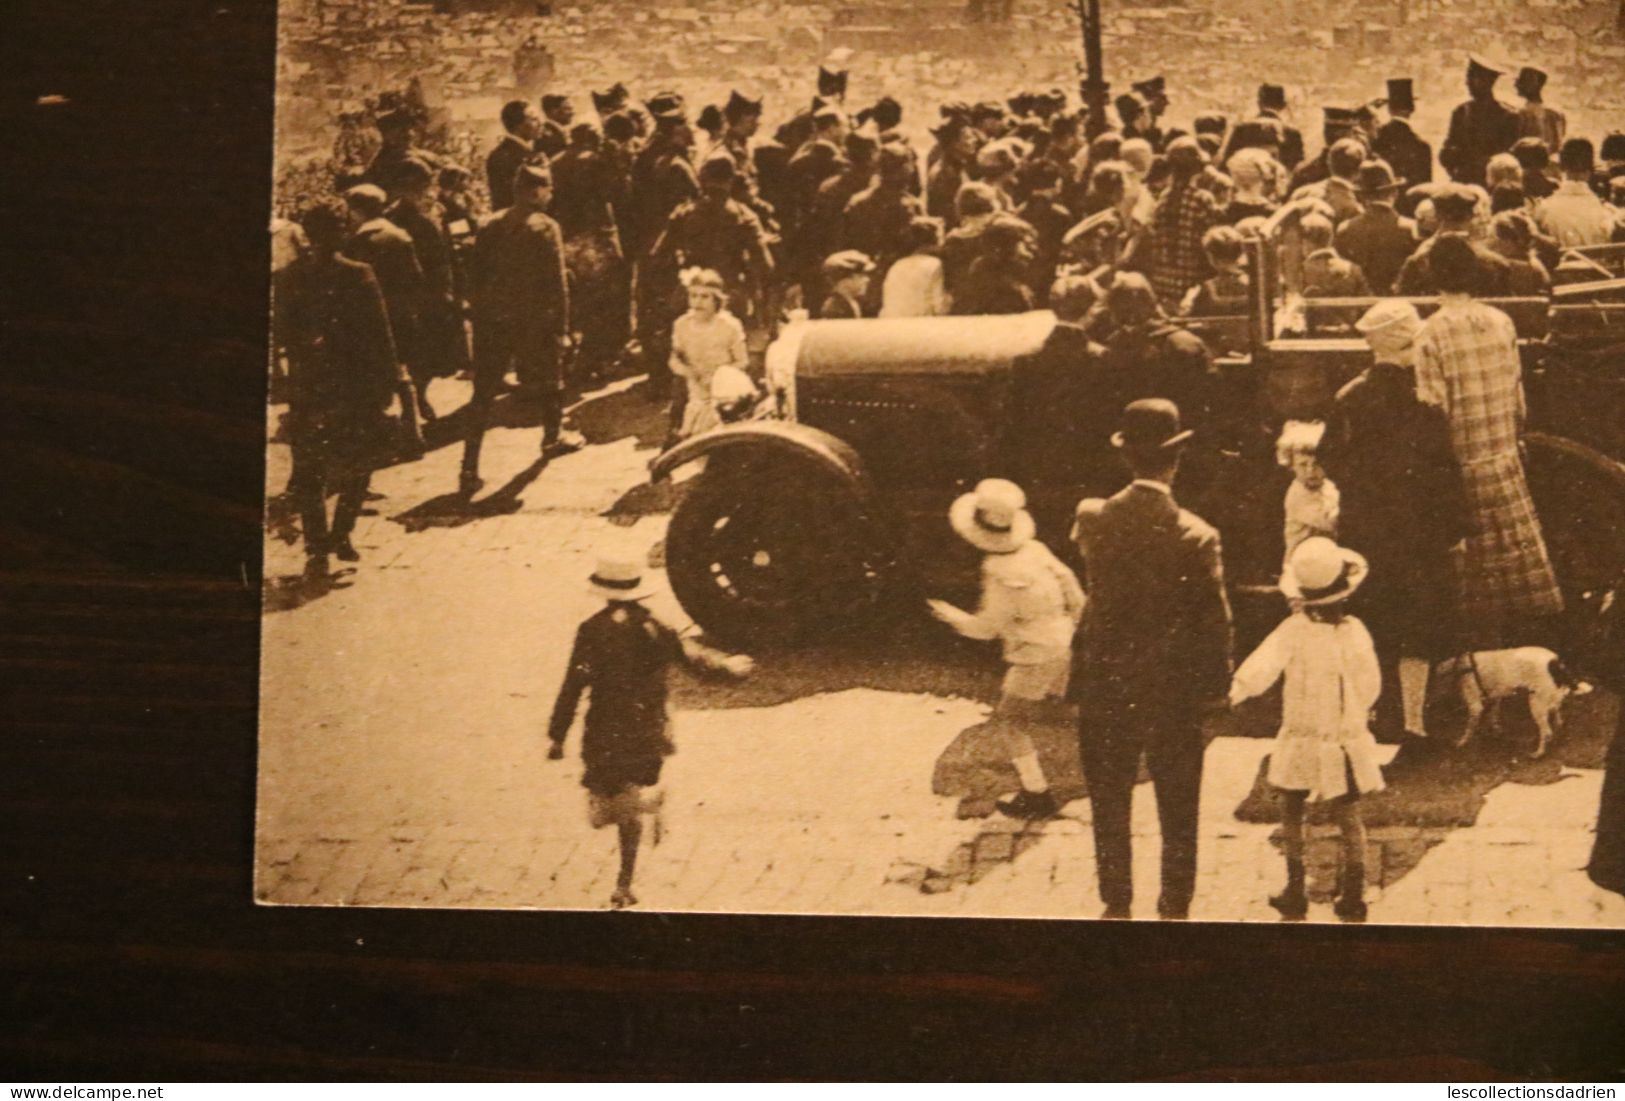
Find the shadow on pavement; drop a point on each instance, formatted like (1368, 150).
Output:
(451, 510)
(290, 591)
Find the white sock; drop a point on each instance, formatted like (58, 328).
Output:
(1031, 772)
(1413, 691)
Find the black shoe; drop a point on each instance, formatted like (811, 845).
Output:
(1030, 804)
(316, 566)
(345, 550)
(1292, 904)
(469, 483)
(567, 443)
(1350, 905)
(1173, 914)
(1116, 913)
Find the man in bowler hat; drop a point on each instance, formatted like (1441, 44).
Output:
(1151, 654)
(1479, 128)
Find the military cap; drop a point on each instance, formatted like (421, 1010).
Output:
(1152, 87)
(667, 105)
(1272, 97)
(396, 118)
(1479, 65)
(742, 106)
(1341, 116)
(1400, 95)
(611, 99)
(847, 262)
(553, 102)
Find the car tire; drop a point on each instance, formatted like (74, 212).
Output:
(771, 552)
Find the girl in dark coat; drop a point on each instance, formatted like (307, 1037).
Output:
(1402, 508)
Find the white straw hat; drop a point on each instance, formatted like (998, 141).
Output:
(994, 517)
(1321, 572)
(619, 576)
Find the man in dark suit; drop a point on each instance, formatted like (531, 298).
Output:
(1409, 156)
(521, 301)
(1479, 128)
(558, 115)
(386, 248)
(517, 146)
(1152, 652)
(1271, 104)
(1377, 239)
(341, 375)
(442, 345)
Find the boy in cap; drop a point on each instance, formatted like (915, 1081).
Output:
(621, 658)
(1030, 603)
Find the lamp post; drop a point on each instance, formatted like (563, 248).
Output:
(1093, 87)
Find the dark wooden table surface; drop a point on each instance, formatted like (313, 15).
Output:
(135, 256)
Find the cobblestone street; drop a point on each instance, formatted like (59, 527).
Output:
(403, 757)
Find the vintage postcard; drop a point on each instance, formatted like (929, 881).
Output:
(1002, 458)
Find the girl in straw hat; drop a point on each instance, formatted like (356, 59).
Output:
(621, 658)
(1324, 750)
(1031, 602)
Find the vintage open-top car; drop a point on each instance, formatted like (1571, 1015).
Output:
(838, 507)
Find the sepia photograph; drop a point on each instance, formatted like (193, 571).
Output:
(1118, 459)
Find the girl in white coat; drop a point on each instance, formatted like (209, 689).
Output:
(1324, 750)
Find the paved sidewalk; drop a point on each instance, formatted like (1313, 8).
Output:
(403, 757)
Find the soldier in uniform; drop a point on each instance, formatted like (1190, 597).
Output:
(397, 129)
(716, 232)
(521, 316)
(341, 374)
(442, 346)
(518, 145)
(1409, 156)
(557, 116)
(585, 189)
(1479, 128)
(662, 179)
(1535, 119)
(382, 245)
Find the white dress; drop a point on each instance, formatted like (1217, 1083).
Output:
(1332, 683)
(698, 348)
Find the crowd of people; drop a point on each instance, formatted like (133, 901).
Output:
(678, 241)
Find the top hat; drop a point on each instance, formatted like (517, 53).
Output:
(1150, 425)
(993, 517)
(611, 99)
(1321, 572)
(1401, 97)
(1272, 97)
(619, 576)
(667, 105)
(1377, 179)
(1390, 328)
(1531, 79)
(831, 82)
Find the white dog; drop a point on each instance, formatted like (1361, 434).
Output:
(1489, 677)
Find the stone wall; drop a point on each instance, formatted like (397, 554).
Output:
(471, 55)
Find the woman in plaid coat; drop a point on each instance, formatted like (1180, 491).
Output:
(1467, 364)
